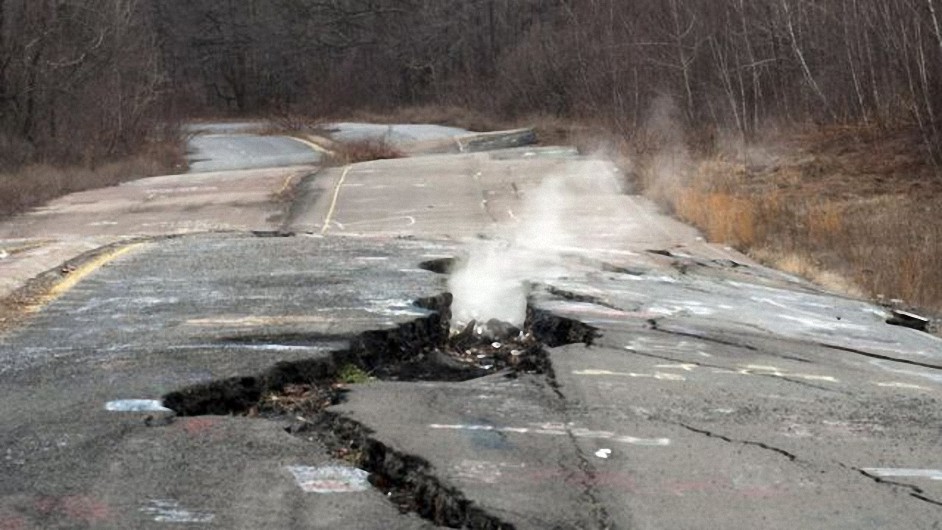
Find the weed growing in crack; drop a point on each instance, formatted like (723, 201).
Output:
(352, 374)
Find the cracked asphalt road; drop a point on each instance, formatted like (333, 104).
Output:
(717, 394)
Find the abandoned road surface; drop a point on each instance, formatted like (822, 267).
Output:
(206, 362)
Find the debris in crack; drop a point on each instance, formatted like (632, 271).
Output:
(497, 345)
(908, 320)
(306, 400)
(419, 350)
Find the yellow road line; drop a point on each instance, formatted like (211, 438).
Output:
(81, 273)
(333, 202)
(312, 145)
(287, 183)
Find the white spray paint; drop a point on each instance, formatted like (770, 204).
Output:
(898, 384)
(556, 429)
(485, 471)
(170, 511)
(931, 474)
(657, 375)
(330, 479)
(493, 282)
(136, 405)
(603, 453)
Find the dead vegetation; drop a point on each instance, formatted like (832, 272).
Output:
(343, 153)
(34, 184)
(854, 209)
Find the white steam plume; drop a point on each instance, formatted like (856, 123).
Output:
(493, 282)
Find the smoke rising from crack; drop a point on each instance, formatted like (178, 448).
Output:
(566, 214)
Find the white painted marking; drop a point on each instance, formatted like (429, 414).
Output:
(170, 511)
(553, 429)
(278, 347)
(931, 474)
(484, 471)
(751, 369)
(330, 479)
(897, 384)
(136, 405)
(754, 369)
(603, 453)
(657, 375)
(682, 366)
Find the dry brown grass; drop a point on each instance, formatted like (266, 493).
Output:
(831, 208)
(35, 184)
(449, 115)
(343, 153)
(549, 129)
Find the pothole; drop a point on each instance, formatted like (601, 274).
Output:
(420, 350)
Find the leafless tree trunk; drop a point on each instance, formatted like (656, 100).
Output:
(809, 77)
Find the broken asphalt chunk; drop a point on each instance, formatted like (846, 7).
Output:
(908, 320)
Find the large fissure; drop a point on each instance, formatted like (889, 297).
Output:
(424, 349)
(406, 480)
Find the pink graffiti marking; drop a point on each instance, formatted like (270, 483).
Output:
(76, 507)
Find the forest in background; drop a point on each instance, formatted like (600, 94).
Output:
(104, 74)
(693, 93)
